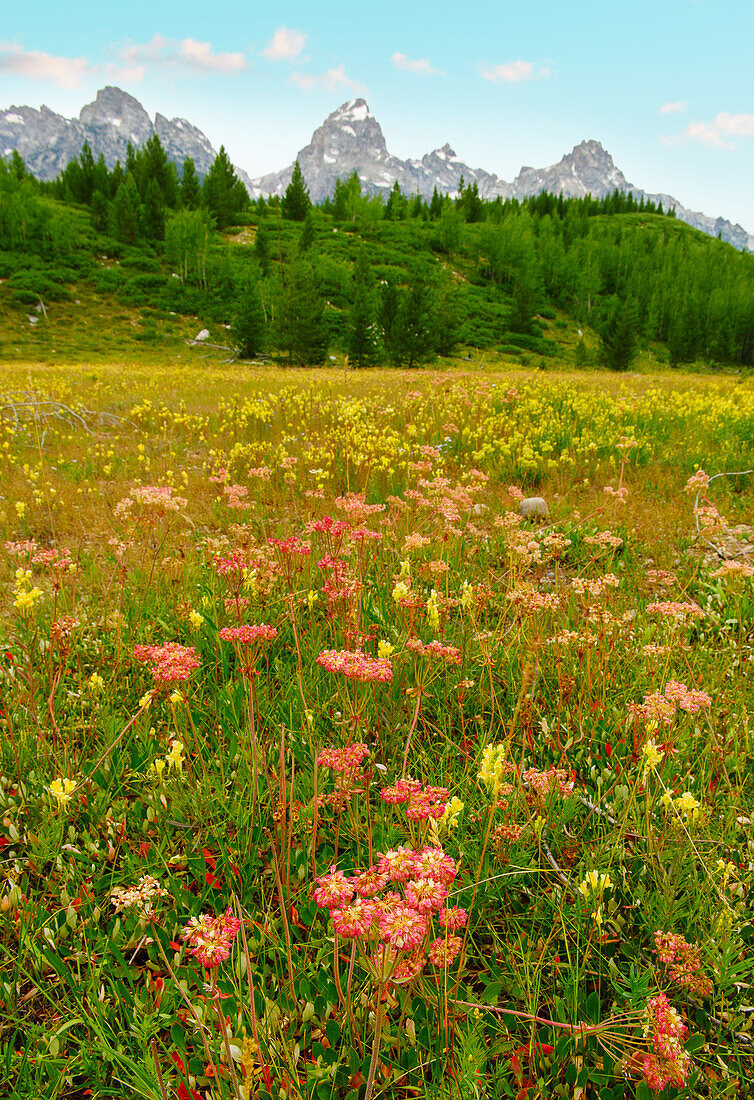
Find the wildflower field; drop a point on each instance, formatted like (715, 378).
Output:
(325, 774)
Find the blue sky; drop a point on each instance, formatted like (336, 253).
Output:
(666, 86)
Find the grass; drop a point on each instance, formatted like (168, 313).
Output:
(581, 801)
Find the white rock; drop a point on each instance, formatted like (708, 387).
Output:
(203, 335)
(533, 508)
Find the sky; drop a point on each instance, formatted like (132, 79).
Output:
(665, 85)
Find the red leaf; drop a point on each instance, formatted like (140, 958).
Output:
(209, 859)
(210, 879)
(144, 848)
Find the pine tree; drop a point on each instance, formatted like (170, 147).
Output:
(308, 235)
(223, 194)
(435, 206)
(262, 249)
(296, 201)
(299, 327)
(191, 188)
(127, 211)
(363, 344)
(619, 335)
(249, 326)
(154, 212)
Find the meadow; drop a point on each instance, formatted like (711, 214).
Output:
(324, 774)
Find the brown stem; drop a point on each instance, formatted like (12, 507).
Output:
(414, 721)
(379, 1020)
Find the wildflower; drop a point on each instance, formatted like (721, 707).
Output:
(343, 760)
(448, 653)
(398, 864)
(195, 619)
(652, 756)
(402, 927)
(368, 883)
(159, 767)
(434, 863)
(354, 919)
(683, 962)
(333, 890)
(356, 665)
(493, 766)
(668, 1063)
(62, 791)
(211, 938)
(401, 592)
(177, 697)
(688, 805)
(443, 951)
(95, 682)
(697, 483)
(453, 918)
(595, 883)
(385, 650)
(248, 634)
(20, 509)
(175, 758)
(145, 700)
(433, 611)
(170, 662)
(311, 599)
(425, 894)
(452, 813)
(141, 897)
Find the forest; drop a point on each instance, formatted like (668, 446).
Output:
(395, 281)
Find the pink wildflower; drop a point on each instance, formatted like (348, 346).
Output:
(424, 894)
(434, 863)
(356, 665)
(247, 634)
(402, 927)
(345, 759)
(333, 890)
(398, 864)
(170, 662)
(453, 918)
(668, 1063)
(354, 919)
(211, 937)
(443, 950)
(368, 883)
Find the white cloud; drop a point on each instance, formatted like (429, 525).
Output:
(720, 132)
(513, 72)
(677, 108)
(285, 45)
(187, 54)
(65, 71)
(421, 66)
(331, 80)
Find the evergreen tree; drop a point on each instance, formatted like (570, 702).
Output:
(17, 166)
(308, 235)
(363, 344)
(154, 212)
(417, 336)
(249, 326)
(191, 188)
(127, 211)
(223, 194)
(435, 206)
(299, 328)
(395, 207)
(618, 335)
(296, 201)
(388, 318)
(262, 249)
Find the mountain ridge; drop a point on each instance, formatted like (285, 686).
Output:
(349, 140)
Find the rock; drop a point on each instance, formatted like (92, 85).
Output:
(203, 335)
(534, 508)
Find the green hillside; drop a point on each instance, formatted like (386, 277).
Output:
(110, 262)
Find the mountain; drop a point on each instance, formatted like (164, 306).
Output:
(349, 140)
(48, 141)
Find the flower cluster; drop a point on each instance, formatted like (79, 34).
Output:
(422, 802)
(668, 1063)
(211, 938)
(448, 653)
(247, 634)
(683, 962)
(393, 931)
(169, 663)
(343, 760)
(355, 665)
(141, 897)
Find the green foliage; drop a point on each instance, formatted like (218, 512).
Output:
(249, 327)
(223, 194)
(296, 201)
(299, 327)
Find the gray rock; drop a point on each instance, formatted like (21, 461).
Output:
(534, 508)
